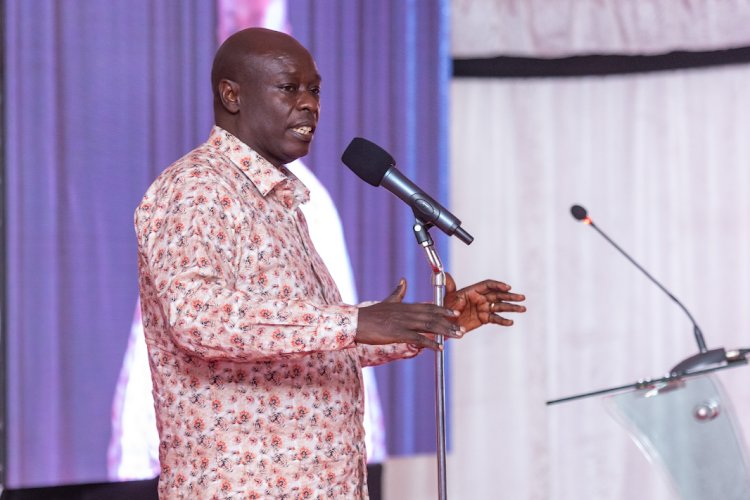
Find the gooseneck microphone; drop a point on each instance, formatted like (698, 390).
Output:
(704, 357)
(376, 166)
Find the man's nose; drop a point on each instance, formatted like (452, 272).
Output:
(309, 102)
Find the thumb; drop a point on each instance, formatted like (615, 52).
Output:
(450, 285)
(398, 293)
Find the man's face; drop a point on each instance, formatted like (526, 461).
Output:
(280, 104)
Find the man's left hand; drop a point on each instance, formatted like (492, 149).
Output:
(473, 302)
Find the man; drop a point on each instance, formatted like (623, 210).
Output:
(255, 361)
(133, 452)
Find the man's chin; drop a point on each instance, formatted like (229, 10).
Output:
(297, 152)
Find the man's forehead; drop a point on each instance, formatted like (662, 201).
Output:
(283, 63)
(296, 73)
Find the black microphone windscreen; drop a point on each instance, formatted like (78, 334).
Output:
(578, 212)
(368, 160)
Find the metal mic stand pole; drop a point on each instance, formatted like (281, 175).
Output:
(421, 231)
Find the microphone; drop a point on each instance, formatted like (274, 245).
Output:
(376, 166)
(704, 357)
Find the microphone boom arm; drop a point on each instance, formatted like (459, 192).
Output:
(696, 330)
(706, 361)
(704, 357)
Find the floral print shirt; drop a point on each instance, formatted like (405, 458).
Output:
(256, 375)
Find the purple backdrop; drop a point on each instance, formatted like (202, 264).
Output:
(104, 95)
(101, 96)
(386, 71)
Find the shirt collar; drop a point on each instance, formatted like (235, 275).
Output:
(260, 171)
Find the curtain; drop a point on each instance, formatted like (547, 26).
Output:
(101, 96)
(385, 68)
(236, 15)
(661, 163)
(559, 28)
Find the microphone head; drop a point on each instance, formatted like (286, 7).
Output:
(368, 160)
(578, 212)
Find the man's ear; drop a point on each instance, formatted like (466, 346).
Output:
(229, 93)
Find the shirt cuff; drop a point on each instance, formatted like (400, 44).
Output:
(337, 326)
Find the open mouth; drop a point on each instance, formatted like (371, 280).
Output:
(303, 131)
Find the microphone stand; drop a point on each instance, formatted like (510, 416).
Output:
(704, 362)
(421, 232)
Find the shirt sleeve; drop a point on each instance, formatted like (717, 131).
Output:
(373, 355)
(188, 250)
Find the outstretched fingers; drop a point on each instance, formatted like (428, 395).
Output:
(420, 340)
(499, 320)
(504, 296)
(489, 286)
(392, 321)
(433, 319)
(497, 307)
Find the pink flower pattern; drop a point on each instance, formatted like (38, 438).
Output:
(257, 378)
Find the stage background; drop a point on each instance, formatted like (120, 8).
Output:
(660, 160)
(661, 163)
(102, 96)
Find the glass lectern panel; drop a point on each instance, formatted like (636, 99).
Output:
(687, 429)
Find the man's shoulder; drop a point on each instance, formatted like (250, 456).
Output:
(203, 169)
(203, 165)
(203, 160)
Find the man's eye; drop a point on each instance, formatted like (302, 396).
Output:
(315, 90)
(288, 88)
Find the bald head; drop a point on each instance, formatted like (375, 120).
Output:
(267, 93)
(236, 57)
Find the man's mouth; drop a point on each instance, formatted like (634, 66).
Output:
(303, 130)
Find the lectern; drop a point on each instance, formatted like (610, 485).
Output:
(687, 430)
(683, 422)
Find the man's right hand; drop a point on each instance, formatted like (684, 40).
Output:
(392, 322)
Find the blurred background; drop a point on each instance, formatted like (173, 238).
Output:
(508, 111)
